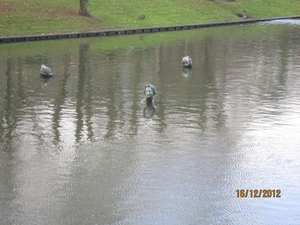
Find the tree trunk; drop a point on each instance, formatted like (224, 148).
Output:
(83, 9)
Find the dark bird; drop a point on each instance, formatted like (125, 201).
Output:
(142, 17)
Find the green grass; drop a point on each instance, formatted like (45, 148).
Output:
(22, 17)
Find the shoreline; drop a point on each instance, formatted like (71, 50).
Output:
(114, 32)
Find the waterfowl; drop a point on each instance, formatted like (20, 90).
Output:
(149, 91)
(187, 61)
(45, 71)
(245, 16)
(149, 110)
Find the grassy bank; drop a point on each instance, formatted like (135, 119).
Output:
(19, 17)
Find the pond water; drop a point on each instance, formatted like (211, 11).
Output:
(83, 148)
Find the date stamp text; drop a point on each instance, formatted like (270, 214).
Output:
(258, 193)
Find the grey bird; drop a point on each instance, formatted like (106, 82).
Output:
(45, 71)
(187, 61)
(245, 16)
(149, 91)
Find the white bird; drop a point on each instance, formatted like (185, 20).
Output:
(187, 61)
(45, 71)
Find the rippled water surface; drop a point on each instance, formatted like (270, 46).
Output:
(83, 148)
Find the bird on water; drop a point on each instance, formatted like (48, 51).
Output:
(149, 91)
(45, 71)
(187, 61)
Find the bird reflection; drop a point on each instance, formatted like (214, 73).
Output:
(45, 81)
(149, 109)
(186, 72)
